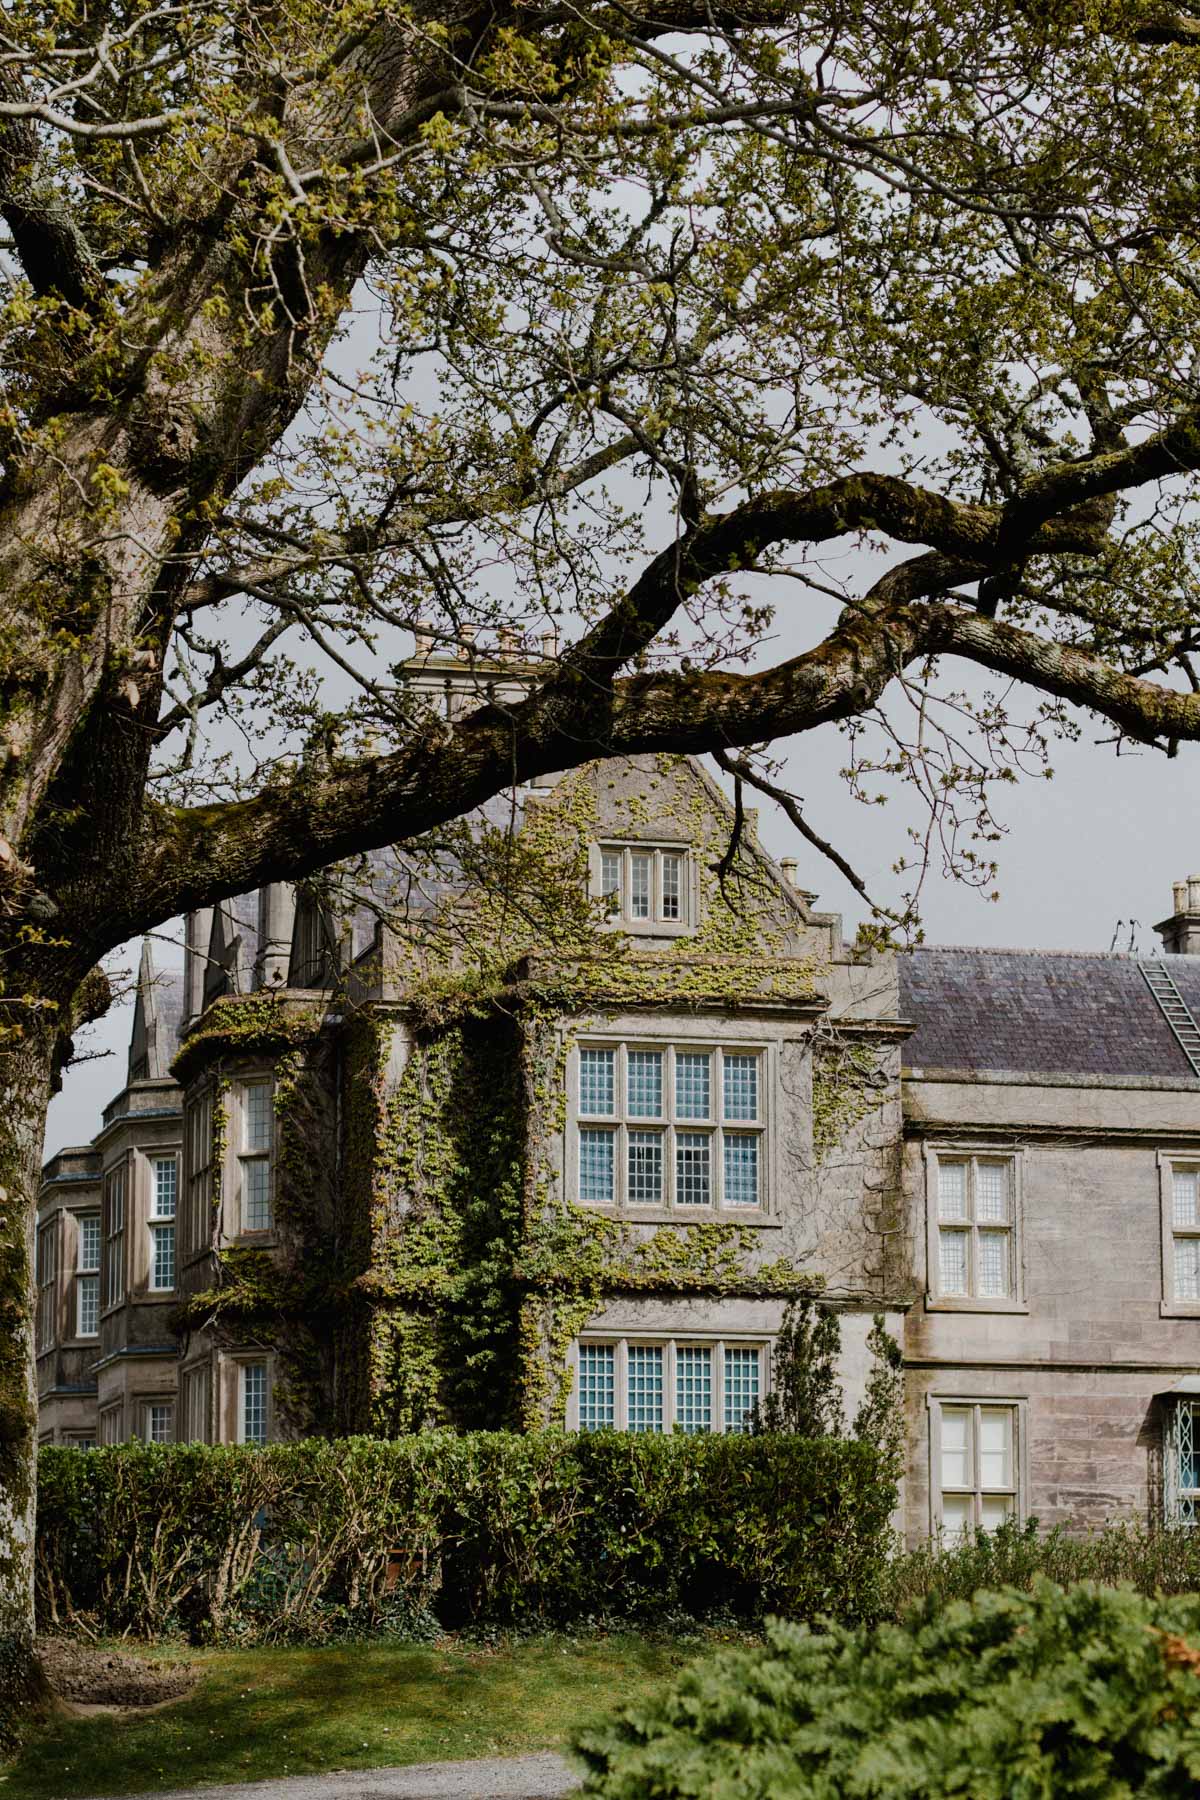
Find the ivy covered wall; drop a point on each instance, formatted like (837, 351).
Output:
(432, 1265)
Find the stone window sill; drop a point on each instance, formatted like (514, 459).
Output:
(969, 1304)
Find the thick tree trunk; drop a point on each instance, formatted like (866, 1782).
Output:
(25, 1080)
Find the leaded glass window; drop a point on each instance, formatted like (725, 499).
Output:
(687, 1132)
(976, 1210)
(1181, 1461)
(597, 1386)
(645, 884)
(743, 1375)
(645, 1386)
(87, 1277)
(163, 1187)
(596, 1185)
(693, 1388)
(252, 1403)
(667, 1386)
(1185, 1233)
(255, 1105)
(160, 1422)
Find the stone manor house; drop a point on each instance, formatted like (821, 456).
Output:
(417, 1152)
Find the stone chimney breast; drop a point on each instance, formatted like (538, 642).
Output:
(1180, 933)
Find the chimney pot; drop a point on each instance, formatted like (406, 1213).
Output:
(466, 641)
(422, 638)
(1193, 893)
(508, 641)
(789, 867)
(549, 644)
(1179, 891)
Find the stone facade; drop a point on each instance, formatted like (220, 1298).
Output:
(486, 1161)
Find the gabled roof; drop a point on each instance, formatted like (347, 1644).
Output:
(1041, 1011)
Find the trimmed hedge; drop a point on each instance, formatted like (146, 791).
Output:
(365, 1537)
(1092, 1692)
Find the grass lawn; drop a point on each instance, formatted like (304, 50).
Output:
(260, 1713)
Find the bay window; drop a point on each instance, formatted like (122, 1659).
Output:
(671, 1126)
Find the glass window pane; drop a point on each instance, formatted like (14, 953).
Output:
(952, 1190)
(952, 1261)
(693, 1084)
(165, 1180)
(597, 1083)
(256, 1117)
(956, 1447)
(163, 1272)
(639, 885)
(610, 873)
(995, 1447)
(160, 1423)
(256, 1194)
(596, 1167)
(1184, 1186)
(741, 1087)
(741, 1168)
(254, 1403)
(693, 1388)
(1187, 1268)
(89, 1242)
(672, 886)
(994, 1509)
(693, 1174)
(741, 1387)
(645, 1084)
(597, 1386)
(993, 1264)
(991, 1192)
(645, 1168)
(89, 1306)
(956, 1516)
(645, 1387)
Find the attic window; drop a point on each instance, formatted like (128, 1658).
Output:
(646, 884)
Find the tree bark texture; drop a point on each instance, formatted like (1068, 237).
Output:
(25, 1078)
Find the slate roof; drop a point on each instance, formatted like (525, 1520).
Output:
(1044, 1011)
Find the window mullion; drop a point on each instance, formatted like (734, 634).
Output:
(977, 1462)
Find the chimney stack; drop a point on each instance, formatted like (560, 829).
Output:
(1180, 933)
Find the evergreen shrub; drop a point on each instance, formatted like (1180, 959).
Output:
(1088, 1691)
(369, 1537)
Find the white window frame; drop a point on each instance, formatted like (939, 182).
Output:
(716, 1127)
(620, 1343)
(1168, 1162)
(621, 916)
(149, 1406)
(158, 1222)
(87, 1273)
(1017, 1407)
(240, 1365)
(973, 1153)
(240, 1156)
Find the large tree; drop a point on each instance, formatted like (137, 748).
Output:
(322, 319)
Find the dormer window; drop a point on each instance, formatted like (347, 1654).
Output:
(646, 885)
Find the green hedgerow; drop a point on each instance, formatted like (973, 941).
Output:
(1090, 1692)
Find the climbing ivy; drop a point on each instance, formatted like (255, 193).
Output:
(451, 1275)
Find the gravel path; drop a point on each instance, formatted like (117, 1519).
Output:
(541, 1777)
